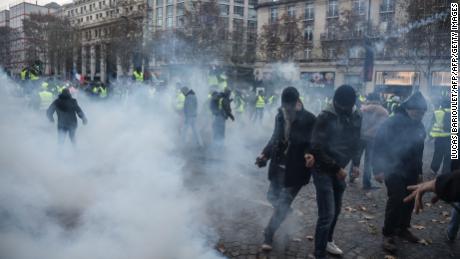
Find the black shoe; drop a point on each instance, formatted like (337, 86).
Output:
(389, 244)
(408, 236)
(450, 238)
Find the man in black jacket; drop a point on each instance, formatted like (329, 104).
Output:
(336, 141)
(66, 108)
(190, 114)
(289, 151)
(222, 113)
(398, 154)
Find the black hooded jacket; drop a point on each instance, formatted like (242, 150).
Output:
(336, 140)
(399, 145)
(66, 108)
(290, 153)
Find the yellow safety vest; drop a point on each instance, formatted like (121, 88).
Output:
(139, 76)
(437, 131)
(45, 85)
(33, 77)
(60, 88)
(270, 100)
(180, 101)
(102, 92)
(362, 98)
(23, 74)
(260, 102)
(241, 104)
(46, 98)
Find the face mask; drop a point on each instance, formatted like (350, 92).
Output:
(342, 109)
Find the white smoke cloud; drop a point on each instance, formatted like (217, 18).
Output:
(119, 194)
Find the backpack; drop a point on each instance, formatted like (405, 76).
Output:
(214, 103)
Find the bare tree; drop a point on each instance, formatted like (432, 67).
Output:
(50, 39)
(5, 47)
(425, 35)
(281, 40)
(125, 38)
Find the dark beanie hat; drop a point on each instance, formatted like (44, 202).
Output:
(416, 101)
(290, 95)
(345, 95)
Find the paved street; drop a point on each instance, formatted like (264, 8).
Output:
(238, 214)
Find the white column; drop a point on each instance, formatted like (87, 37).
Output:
(83, 61)
(92, 64)
(74, 59)
(103, 64)
(119, 67)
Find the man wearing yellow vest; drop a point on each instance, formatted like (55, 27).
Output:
(260, 106)
(45, 96)
(440, 132)
(138, 76)
(180, 100)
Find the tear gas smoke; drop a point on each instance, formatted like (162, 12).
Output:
(119, 194)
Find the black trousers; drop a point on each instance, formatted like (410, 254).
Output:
(441, 155)
(397, 213)
(63, 131)
(281, 198)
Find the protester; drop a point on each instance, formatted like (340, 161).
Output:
(291, 160)
(66, 108)
(336, 142)
(398, 154)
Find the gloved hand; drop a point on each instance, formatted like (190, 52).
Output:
(261, 161)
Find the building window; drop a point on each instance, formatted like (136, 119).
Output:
(332, 8)
(273, 14)
(358, 7)
(224, 9)
(331, 53)
(291, 11)
(387, 6)
(180, 22)
(159, 13)
(359, 30)
(307, 54)
(180, 9)
(252, 13)
(169, 16)
(159, 2)
(309, 11)
(308, 33)
(170, 2)
(238, 1)
(238, 10)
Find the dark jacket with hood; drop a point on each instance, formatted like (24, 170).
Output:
(290, 153)
(66, 108)
(190, 104)
(399, 145)
(447, 186)
(336, 140)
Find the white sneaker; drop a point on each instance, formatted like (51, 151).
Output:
(333, 248)
(266, 247)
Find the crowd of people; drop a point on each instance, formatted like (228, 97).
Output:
(393, 141)
(306, 144)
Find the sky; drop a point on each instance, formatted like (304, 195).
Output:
(6, 3)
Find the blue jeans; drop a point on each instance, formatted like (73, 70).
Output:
(329, 193)
(454, 223)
